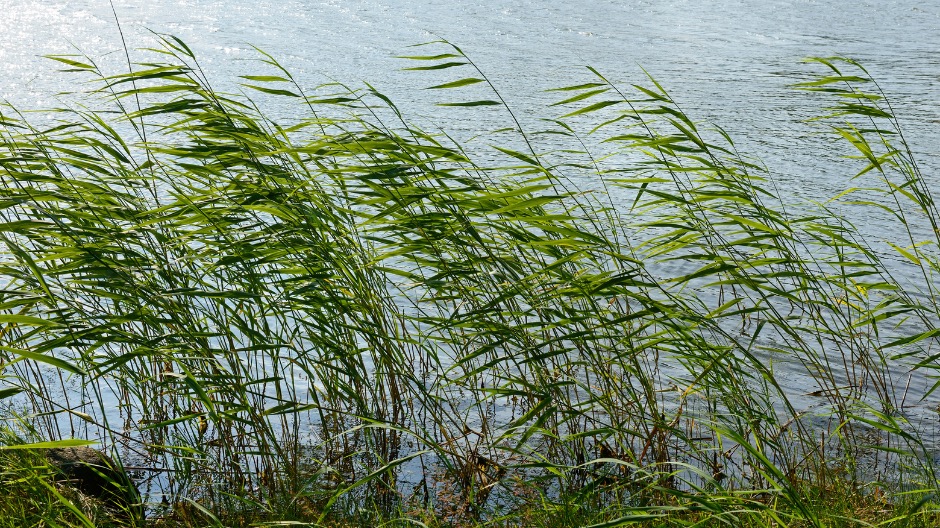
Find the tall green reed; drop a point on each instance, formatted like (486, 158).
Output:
(340, 309)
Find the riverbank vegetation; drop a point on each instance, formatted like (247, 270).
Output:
(335, 317)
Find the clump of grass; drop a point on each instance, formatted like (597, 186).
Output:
(341, 316)
(38, 493)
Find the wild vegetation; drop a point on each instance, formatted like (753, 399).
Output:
(338, 318)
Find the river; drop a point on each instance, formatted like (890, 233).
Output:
(727, 62)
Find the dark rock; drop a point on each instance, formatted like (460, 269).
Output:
(97, 476)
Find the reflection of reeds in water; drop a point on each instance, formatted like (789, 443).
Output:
(314, 307)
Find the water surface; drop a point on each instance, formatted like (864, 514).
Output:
(727, 62)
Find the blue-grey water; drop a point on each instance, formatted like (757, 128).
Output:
(727, 62)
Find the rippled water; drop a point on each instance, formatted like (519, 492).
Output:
(727, 62)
